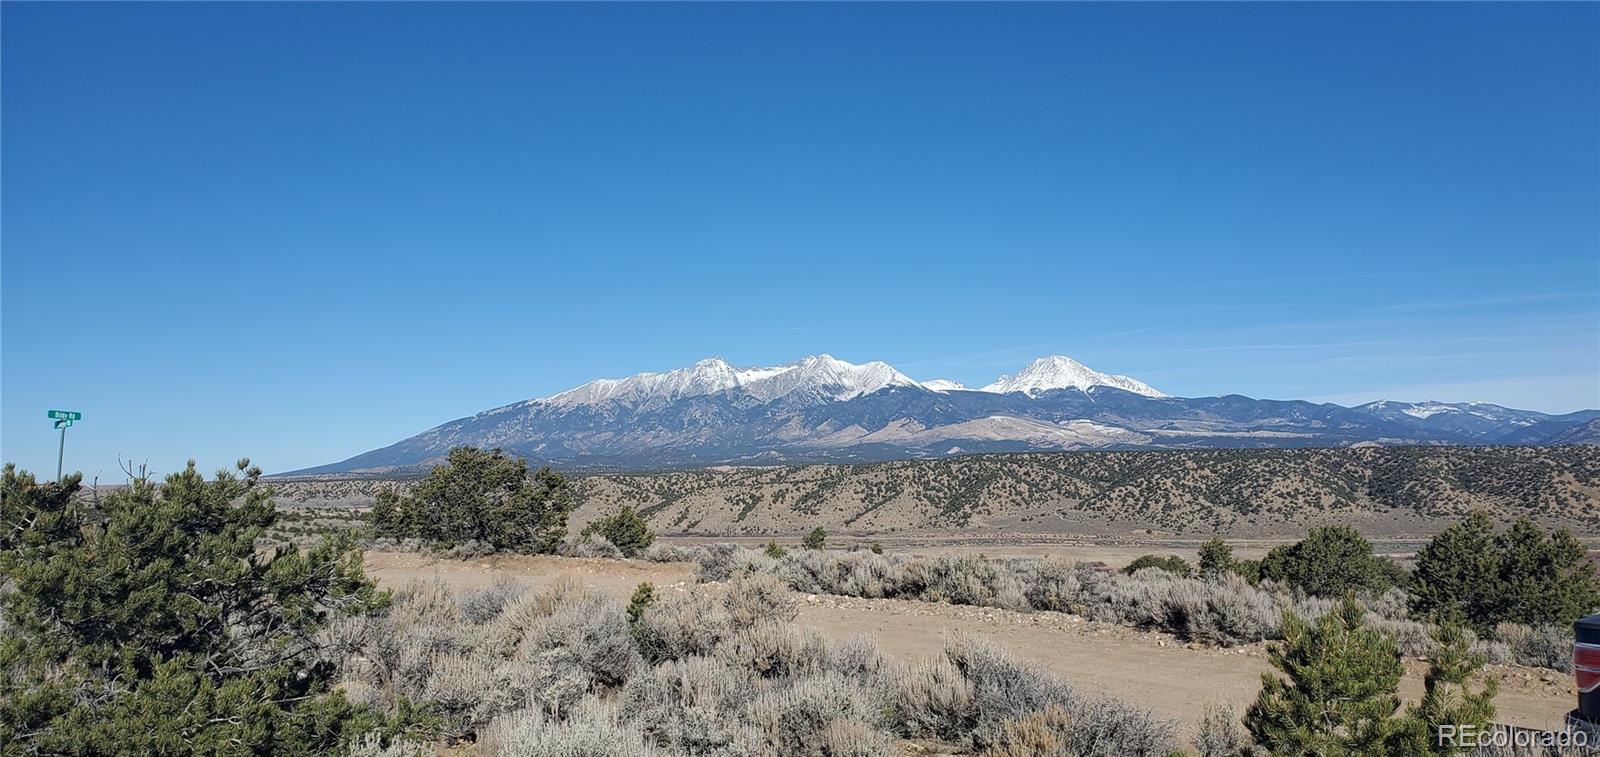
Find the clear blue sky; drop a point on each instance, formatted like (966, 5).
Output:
(301, 231)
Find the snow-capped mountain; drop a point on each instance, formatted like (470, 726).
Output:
(824, 375)
(1060, 372)
(821, 408)
(1426, 410)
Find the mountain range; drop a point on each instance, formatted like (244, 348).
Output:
(822, 409)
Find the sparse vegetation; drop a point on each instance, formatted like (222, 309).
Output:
(1224, 608)
(1230, 492)
(1221, 734)
(758, 598)
(817, 538)
(723, 671)
(538, 679)
(1201, 492)
(978, 696)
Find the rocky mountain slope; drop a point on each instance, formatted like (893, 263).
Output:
(1250, 493)
(822, 409)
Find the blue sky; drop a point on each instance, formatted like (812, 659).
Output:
(301, 231)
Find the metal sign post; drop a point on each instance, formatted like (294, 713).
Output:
(63, 419)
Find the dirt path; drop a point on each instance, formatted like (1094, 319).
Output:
(1151, 669)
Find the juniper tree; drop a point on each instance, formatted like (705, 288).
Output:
(479, 495)
(151, 623)
(625, 529)
(1329, 562)
(1456, 573)
(1215, 557)
(1337, 689)
(1170, 563)
(1543, 578)
(1524, 575)
(816, 539)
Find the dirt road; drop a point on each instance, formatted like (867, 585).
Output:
(1154, 670)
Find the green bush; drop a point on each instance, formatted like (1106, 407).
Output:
(479, 496)
(774, 551)
(151, 623)
(1339, 693)
(1215, 557)
(1170, 563)
(1338, 688)
(643, 595)
(1449, 698)
(817, 539)
(625, 529)
(1329, 562)
(1524, 575)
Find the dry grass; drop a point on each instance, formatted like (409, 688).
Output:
(1223, 610)
(561, 672)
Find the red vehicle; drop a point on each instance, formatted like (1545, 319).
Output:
(1586, 667)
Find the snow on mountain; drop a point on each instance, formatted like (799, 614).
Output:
(829, 376)
(825, 409)
(1426, 410)
(1060, 372)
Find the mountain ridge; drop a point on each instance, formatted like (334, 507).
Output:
(1195, 492)
(822, 409)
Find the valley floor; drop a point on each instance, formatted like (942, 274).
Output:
(1151, 669)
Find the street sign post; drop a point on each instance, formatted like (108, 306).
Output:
(63, 419)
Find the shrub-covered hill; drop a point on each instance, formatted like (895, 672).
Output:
(1402, 490)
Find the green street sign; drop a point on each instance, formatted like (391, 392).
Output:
(66, 415)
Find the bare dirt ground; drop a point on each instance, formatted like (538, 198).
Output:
(1152, 669)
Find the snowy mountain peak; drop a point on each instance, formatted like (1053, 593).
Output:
(944, 385)
(1061, 372)
(826, 375)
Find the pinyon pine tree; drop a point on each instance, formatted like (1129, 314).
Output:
(151, 623)
(1337, 691)
(1449, 698)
